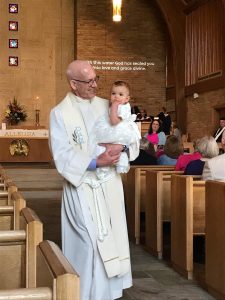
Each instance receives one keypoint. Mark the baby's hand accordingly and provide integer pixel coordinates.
(116, 102)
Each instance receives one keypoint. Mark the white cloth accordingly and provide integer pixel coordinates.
(214, 168)
(79, 233)
(125, 133)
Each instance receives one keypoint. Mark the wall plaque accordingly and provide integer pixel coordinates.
(19, 147)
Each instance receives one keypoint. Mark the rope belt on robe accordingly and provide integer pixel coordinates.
(112, 244)
(100, 218)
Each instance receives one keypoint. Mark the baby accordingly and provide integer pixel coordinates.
(118, 127)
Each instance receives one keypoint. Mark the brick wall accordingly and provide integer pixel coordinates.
(139, 37)
(202, 117)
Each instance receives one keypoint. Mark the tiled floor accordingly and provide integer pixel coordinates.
(154, 279)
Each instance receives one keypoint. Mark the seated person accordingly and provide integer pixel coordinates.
(146, 155)
(172, 149)
(175, 130)
(218, 134)
(208, 148)
(184, 159)
(214, 168)
(155, 134)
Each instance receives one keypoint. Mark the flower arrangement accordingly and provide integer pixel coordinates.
(15, 113)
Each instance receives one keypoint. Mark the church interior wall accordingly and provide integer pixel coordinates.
(45, 47)
(202, 117)
(49, 40)
(139, 38)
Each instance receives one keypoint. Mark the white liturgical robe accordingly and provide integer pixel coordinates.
(103, 265)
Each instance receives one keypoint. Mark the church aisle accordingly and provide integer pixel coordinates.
(155, 280)
(152, 279)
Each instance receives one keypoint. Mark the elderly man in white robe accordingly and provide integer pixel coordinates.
(94, 231)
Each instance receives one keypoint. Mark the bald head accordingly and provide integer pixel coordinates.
(78, 69)
(79, 73)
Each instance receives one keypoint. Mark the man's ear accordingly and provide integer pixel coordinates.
(73, 85)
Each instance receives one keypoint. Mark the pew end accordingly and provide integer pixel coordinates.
(135, 197)
(30, 222)
(10, 213)
(53, 267)
(158, 206)
(187, 220)
(18, 252)
(215, 238)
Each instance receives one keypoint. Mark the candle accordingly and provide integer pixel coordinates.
(37, 103)
(3, 126)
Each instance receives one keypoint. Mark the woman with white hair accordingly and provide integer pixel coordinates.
(208, 148)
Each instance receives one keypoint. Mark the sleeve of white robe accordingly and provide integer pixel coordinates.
(134, 151)
(207, 174)
(70, 163)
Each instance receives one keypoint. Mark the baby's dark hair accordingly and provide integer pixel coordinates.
(121, 83)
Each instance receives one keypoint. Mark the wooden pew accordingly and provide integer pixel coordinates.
(4, 178)
(56, 279)
(65, 278)
(10, 213)
(18, 252)
(187, 220)
(2, 172)
(42, 189)
(6, 192)
(158, 202)
(135, 195)
(215, 238)
(27, 294)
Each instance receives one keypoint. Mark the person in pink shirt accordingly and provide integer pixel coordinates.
(155, 134)
(184, 159)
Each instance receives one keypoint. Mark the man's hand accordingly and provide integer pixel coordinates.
(107, 159)
(113, 149)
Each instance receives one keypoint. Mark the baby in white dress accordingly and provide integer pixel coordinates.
(118, 127)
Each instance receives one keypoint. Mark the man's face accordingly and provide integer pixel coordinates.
(222, 123)
(85, 86)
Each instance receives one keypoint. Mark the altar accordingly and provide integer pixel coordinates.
(24, 145)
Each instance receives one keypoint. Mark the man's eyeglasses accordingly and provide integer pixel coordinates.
(89, 82)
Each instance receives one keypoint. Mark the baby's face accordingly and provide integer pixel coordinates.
(120, 94)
